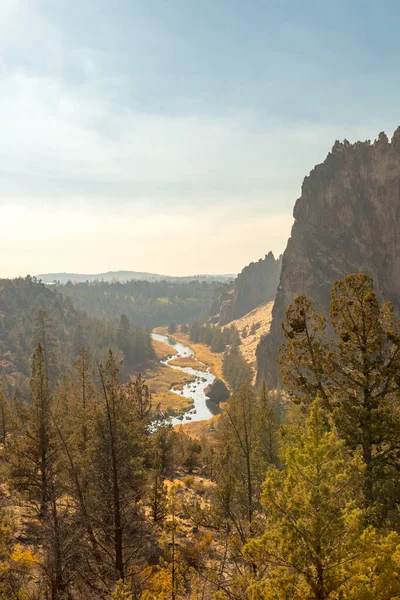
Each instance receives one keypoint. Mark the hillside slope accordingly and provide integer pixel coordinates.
(252, 327)
(66, 329)
(146, 303)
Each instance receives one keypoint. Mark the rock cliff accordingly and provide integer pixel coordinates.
(255, 285)
(347, 220)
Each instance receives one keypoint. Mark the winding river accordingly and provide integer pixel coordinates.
(202, 409)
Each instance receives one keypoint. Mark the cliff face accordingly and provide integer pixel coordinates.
(255, 285)
(347, 220)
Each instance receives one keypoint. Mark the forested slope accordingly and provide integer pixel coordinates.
(31, 313)
(150, 304)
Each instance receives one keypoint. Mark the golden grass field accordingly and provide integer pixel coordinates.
(162, 350)
(188, 361)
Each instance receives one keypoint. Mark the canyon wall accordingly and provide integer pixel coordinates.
(255, 285)
(347, 220)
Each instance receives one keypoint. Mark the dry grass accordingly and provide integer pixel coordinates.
(212, 359)
(162, 350)
(188, 361)
(160, 380)
(200, 429)
(162, 331)
(263, 316)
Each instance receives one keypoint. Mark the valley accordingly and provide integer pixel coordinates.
(179, 435)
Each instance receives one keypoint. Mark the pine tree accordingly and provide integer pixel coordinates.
(43, 334)
(31, 450)
(217, 344)
(125, 340)
(312, 527)
(303, 359)
(116, 480)
(162, 466)
(33, 455)
(357, 377)
(236, 369)
(365, 379)
(172, 328)
(267, 432)
(236, 494)
(4, 412)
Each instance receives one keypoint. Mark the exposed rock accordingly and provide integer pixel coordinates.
(347, 220)
(217, 392)
(255, 285)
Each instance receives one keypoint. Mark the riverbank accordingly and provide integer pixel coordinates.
(213, 360)
(179, 380)
(161, 378)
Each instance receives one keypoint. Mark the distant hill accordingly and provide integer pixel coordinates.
(124, 276)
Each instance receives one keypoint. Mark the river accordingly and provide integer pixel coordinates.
(202, 409)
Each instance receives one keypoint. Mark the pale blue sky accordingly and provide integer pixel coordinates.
(173, 135)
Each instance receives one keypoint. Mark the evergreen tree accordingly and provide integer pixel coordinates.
(43, 334)
(4, 412)
(236, 494)
(117, 477)
(33, 455)
(31, 452)
(236, 369)
(217, 344)
(125, 340)
(267, 433)
(172, 328)
(303, 359)
(356, 375)
(365, 381)
(195, 331)
(312, 527)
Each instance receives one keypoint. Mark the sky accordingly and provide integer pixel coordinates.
(173, 136)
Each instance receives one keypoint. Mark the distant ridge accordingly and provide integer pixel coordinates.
(124, 276)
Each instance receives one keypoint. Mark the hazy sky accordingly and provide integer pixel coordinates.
(173, 135)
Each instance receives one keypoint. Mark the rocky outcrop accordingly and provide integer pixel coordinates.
(255, 285)
(347, 220)
(217, 392)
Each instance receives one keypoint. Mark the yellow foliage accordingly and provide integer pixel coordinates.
(23, 557)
